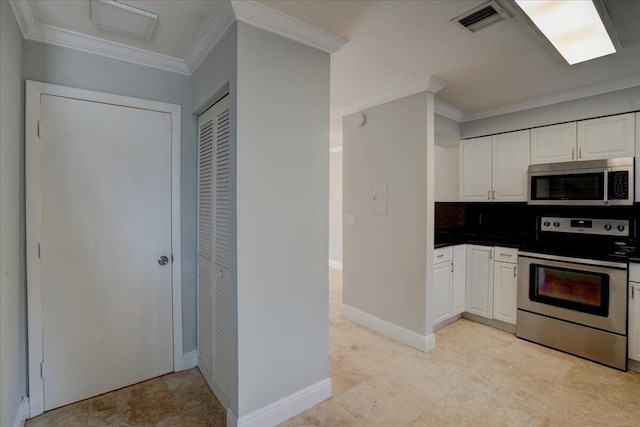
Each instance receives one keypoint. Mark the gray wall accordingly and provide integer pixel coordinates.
(52, 64)
(216, 75)
(385, 256)
(621, 101)
(283, 217)
(12, 259)
(335, 207)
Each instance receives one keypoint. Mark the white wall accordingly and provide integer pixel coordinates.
(12, 260)
(67, 67)
(385, 267)
(621, 101)
(335, 208)
(447, 167)
(283, 217)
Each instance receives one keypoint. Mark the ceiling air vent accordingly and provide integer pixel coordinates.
(481, 17)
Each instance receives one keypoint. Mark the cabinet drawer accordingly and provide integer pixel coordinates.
(506, 255)
(634, 272)
(443, 254)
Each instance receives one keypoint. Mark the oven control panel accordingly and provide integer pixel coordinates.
(606, 227)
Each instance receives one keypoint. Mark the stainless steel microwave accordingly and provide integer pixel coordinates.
(587, 183)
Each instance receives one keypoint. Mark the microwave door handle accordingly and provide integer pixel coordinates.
(606, 187)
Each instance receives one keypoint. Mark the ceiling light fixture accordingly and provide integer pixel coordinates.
(117, 17)
(574, 27)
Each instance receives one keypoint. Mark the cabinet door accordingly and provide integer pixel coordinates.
(442, 291)
(459, 277)
(551, 144)
(505, 288)
(606, 137)
(637, 162)
(479, 283)
(634, 321)
(475, 169)
(511, 153)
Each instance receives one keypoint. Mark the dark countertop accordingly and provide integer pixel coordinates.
(459, 237)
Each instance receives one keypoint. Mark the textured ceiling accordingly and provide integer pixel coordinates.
(179, 22)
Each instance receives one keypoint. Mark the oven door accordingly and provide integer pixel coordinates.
(588, 292)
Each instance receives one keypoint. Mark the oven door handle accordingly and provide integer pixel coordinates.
(606, 187)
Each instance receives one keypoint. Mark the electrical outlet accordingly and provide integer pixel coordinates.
(351, 220)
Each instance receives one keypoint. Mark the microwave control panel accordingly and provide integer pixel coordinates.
(606, 227)
(618, 188)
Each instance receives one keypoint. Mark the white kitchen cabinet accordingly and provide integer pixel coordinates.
(475, 169)
(511, 157)
(606, 137)
(505, 291)
(634, 321)
(449, 283)
(551, 144)
(479, 281)
(495, 168)
(637, 162)
(458, 279)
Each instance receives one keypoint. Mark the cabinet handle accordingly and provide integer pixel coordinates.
(489, 195)
(493, 195)
(514, 270)
(573, 154)
(580, 152)
(633, 293)
(491, 254)
(439, 256)
(452, 269)
(507, 255)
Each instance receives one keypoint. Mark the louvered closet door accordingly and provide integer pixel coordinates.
(214, 321)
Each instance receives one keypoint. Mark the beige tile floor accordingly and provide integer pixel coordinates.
(477, 376)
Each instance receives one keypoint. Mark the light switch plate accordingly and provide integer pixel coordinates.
(351, 220)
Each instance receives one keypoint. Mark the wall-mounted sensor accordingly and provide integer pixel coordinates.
(359, 120)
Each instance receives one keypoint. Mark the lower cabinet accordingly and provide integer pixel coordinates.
(492, 282)
(448, 278)
(634, 321)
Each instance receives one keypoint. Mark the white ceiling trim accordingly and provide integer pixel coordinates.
(555, 98)
(221, 20)
(431, 84)
(448, 112)
(287, 26)
(33, 30)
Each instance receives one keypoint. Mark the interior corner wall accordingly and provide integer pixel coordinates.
(216, 72)
(335, 207)
(385, 252)
(283, 217)
(57, 65)
(13, 371)
(617, 102)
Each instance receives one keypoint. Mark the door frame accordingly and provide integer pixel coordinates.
(34, 90)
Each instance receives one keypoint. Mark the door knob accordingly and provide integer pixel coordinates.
(163, 260)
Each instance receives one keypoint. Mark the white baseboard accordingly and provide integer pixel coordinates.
(22, 414)
(190, 359)
(414, 339)
(286, 407)
(335, 264)
(232, 420)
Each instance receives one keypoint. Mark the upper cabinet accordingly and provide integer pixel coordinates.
(594, 139)
(607, 137)
(551, 144)
(495, 168)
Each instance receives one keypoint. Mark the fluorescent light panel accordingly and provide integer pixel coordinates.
(121, 18)
(573, 27)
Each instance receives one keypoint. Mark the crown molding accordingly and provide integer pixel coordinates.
(286, 26)
(448, 112)
(556, 98)
(430, 84)
(221, 20)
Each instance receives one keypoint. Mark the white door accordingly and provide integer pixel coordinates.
(479, 290)
(475, 169)
(505, 288)
(442, 291)
(511, 153)
(607, 137)
(459, 276)
(105, 222)
(551, 144)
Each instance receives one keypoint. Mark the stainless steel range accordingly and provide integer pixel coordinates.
(572, 290)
